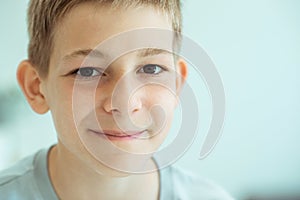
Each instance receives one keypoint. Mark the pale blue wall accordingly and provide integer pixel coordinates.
(255, 45)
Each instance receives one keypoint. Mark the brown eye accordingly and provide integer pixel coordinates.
(151, 69)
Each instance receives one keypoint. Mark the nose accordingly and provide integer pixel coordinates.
(124, 97)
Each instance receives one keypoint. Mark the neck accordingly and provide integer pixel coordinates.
(73, 179)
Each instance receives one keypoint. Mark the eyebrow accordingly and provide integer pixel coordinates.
(96, 53)
(84, 53)
(151, 52)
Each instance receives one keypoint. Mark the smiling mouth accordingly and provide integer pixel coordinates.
(120, 135)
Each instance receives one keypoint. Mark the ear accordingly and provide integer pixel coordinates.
(30, 83)
(182, 73)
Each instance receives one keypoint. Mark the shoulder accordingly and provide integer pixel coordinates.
(17, 180)
(187, 185)
(17, 171)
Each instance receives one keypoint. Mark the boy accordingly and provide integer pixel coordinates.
(111, 109)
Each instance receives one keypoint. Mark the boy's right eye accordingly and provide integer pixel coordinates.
(87, 72)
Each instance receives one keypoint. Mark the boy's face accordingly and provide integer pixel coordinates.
(129, 109)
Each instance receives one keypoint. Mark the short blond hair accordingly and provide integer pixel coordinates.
(44, 15)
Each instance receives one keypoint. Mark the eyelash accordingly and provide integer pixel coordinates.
(162, 69)
(94, 70)
(100, 73)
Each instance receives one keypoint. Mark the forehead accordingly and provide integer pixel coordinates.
(86, 26)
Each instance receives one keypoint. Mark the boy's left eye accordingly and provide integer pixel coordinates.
(151, 69)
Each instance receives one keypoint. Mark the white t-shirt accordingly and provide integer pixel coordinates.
(29, 180)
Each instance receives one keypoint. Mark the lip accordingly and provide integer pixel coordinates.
(118, 135)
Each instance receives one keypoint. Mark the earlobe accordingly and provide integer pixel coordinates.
(182, 73)
(30, 83)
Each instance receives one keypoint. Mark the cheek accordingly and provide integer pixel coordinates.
(61, 108)
(162, 96)
(83, 103)
(161, 104)
(68, 106)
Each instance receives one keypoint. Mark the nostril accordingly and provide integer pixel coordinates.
(135, 105)
(109, 108)
(114, 110)
(134, 110)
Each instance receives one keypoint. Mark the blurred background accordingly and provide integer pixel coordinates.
(256, 48)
